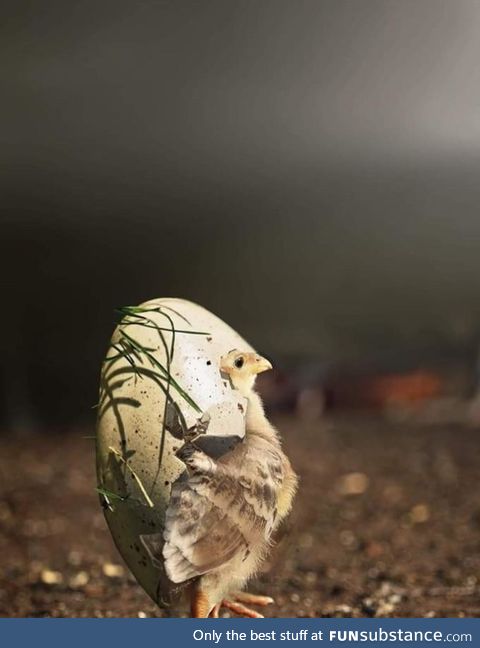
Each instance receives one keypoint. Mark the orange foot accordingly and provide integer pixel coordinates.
(236, 604)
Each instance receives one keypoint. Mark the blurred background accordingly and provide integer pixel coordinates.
(309, 171)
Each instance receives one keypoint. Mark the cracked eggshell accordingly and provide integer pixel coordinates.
(136, 462)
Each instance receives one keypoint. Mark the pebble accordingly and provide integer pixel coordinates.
(419, 513)
(112, 571)
(343, 609)
(50, 577)
(384, 609)
(79, 580)
(355, 483)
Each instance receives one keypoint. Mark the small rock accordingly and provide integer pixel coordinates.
(142, 615)
(112, 571)
(419, 514)
(384, 609)
(50, 577)
(344, 609)
(79, 580)
(355, 483)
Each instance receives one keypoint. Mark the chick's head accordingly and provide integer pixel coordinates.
(242, 368)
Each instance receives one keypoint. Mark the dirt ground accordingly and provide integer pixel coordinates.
(386, 523)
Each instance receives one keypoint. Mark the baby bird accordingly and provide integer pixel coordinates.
(220, 519)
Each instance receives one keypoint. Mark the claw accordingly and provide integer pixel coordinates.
(236, 604)
(253, 599)
(241, 610)
(214, 613)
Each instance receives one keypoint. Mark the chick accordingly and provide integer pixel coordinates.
(220, 519)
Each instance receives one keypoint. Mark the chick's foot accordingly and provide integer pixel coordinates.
(236, 604)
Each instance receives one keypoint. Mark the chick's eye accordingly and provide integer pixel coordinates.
(239, 363)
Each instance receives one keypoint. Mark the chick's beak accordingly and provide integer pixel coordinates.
(260, 364)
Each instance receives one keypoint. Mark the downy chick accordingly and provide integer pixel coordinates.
(220, 519)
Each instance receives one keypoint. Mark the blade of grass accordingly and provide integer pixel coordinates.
(176, 313)
(134, 475)
(172, 344)
(126, 312)
(107, 493)
(166, 374)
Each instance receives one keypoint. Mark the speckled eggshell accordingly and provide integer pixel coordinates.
(136, 462)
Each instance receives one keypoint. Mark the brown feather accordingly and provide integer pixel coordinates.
(225, 507)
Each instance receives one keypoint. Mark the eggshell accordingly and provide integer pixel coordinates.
(156, 385)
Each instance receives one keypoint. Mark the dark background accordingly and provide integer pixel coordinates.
(309, 171)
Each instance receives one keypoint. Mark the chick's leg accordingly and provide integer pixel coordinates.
(199, 604)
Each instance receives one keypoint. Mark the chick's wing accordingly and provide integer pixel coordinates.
(222, 510)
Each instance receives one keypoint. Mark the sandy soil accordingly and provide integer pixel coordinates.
(398, 537)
